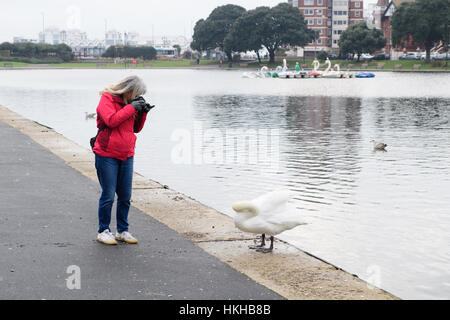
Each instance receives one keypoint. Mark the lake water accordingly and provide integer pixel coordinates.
(384, 216)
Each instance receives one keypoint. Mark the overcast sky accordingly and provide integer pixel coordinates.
(167, 17)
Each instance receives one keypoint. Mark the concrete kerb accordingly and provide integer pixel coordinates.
(288, 271)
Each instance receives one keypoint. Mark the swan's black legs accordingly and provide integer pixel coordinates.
(262, 245)
(261, 248)
(263, 240)
(270, 249)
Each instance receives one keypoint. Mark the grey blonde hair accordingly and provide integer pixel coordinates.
(132, 84)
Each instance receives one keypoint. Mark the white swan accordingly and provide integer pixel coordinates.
(269, 214)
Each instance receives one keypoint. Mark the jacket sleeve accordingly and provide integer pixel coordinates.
(110, 116)
(140, 121)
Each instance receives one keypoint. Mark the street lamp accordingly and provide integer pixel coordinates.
(447, 36)
(43, 27)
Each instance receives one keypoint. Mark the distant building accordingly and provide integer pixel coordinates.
(164, 45)
(318, 17)
(88, 49)
(116, 38)
(56, 36)
(113, 38)
(168, 52)
(356, 13)
(73, 36)
(50, 36)
(168, 41)
(81, 46)
(130, 39)
(84, 48)
(387, 29)
(330, 18)
(23, 40)
(378, 12)
(368, 14)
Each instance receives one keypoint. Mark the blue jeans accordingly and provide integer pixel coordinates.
(115, 176)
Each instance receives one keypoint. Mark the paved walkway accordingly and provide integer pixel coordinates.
(48, 222)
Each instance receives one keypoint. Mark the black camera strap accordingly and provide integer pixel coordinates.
(92, 142)
(101, 129)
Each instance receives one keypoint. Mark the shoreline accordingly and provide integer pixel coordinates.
(207, 67)
(288, 271)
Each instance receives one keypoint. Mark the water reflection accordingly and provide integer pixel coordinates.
(320, 151)
(318, 141)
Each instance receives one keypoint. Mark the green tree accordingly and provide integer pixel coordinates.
(245, 34)
(270, 28)
(111, 52)
(425, 22)
(201, 39)
(287, 26)
(211, 33)
(39, 50)
(64, 52)
(144, 52)
(359, 39)
(322, 55)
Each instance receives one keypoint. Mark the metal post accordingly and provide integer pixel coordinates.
(446, 46)
(304, 58)
(43, 27)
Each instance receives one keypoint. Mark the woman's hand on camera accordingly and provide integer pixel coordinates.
(138, 104)
(148, 107)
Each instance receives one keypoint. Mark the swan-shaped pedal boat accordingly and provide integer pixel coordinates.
(315, 73)
(332, 73)
(269, 214)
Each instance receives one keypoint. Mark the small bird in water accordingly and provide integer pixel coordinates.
(269, 214)
(90, 115)
(378, 146)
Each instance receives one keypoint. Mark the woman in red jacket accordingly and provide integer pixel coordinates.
(120, 114)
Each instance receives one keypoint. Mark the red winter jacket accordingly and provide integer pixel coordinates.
(123, 121)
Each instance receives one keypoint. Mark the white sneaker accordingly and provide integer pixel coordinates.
(126, 237)
(106, 237)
